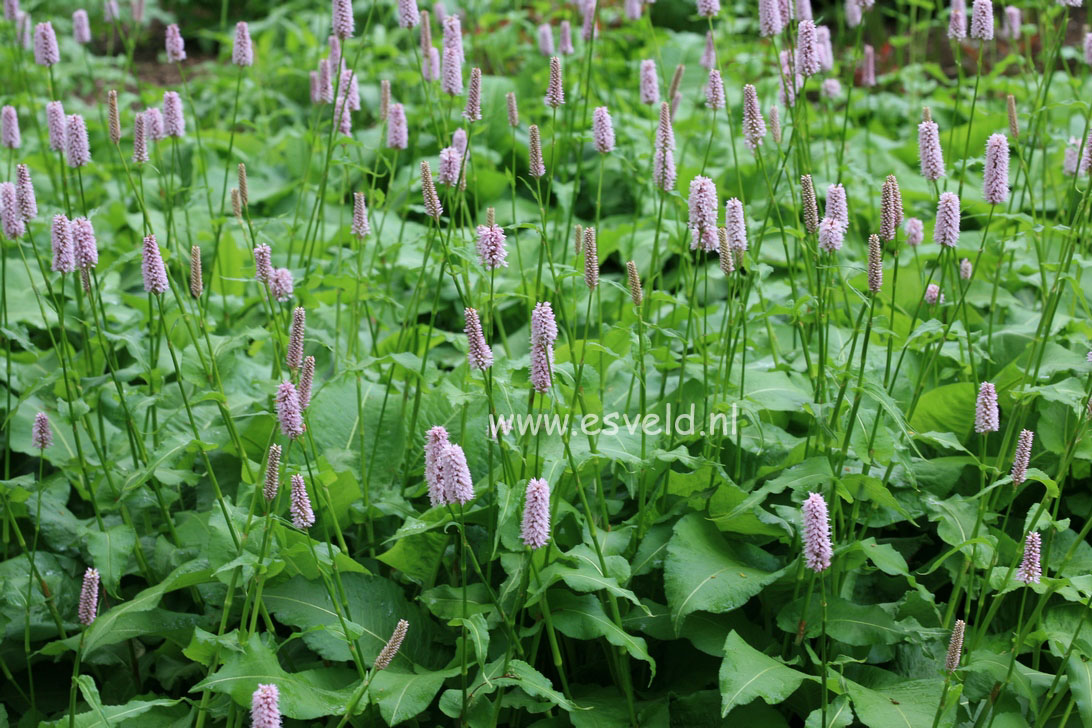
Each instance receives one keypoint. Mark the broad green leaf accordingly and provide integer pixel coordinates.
(401, 695)
(908, 704)
(1079, 670)
(582, 617)
(746, 674)
(304, 695)
(110, 552)
(703, 571)
(105, 716)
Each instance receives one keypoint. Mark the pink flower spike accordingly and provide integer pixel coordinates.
(294, 353)
(303, 517)
(77, 149)
(473, 111)
(9, 128)
(491, 248)
(289, 412)
(307, 378)
(650, 83)
(708, 8)
(64, 254)
(24, 193)
(479, 355)
(946, 229)
(769, 18)
(709, 55)
(735, 226)
(435, 442)
(831, 235)
(55, 120)
(84, 243)
(81, 27)
(242, 53)
(152, 268)
(603, 130)
(10, 220)
(929, 152)
(535, 527)
(46, 51)
(264, 711)
(703, 214)
(714, 91)
(816, 533)
(458, 487)
(1030, 569)
(915, 231)
(555, 90)
(88, 606)
(995, 180)
(281, 284)
(397, 130)
(807, 52)
(41, 435)
(957, 20)
(175, 45)
(754, 126)
(565, 39)
(836, 206)
(986, 416)
(982, 20)
(174, 121)
(408, 14)
(342, 19)
(545, 40)
(933, 294)
(1022, 457)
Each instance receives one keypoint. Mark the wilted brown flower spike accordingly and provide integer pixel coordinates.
(1014, 124)
(114, 120)
(724, 251)
(811, 206)
(196, 284)
(634, 281)
(243, 196)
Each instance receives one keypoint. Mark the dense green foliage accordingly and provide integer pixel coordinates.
(673, 589)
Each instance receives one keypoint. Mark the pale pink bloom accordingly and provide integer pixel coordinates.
(735, 225)
(535, 527)
(264, 710)
(1072, 154)
(946, 229)
(9, 128)
(769, 17)
(708, 8)
(281, 284)
(88, 606)
(933, 294)
(565, 39)
(986, 416)
(555, 90)
(77, 149)
(397, 130)
(408, 14)
(535, 164)
(174, 121)
(650, 83)
(55, 120)
(303, 517)
(1022, 457)
(11, 221)
(478, 354)
(831, 88)
(831, 235)
(545, 40)
(929, 152)
(602, 130)
(754, 126)
(826, 50)
(703, 214)
(915, 231)
(64, 253)
(84, 243)
(307, 378)
(289, 412)
(242, 53)
(175, 45)
(152, 268)
(807, 51)
(714, 91)
(46, 51)
(1030, 569)
(458, 486)
(957, 20)
(709, 55)
(815, 533)
(837, 207)
(868, 67)
(342, 19)
(982, 20)
(995, 181)
(81, 27)
(41, 434)
(24, 193)
(473, 110)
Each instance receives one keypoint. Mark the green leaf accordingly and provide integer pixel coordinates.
(401, 696)
(582, 617)
(705, 572)
(1079, 671)
(746, 674)
(907, 704)
(477, 634)
(303, 695)
(110, 551)
(104, 716)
